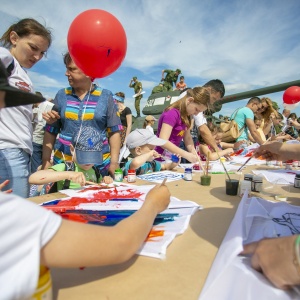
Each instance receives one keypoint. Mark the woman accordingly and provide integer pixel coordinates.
(268, 115)
(125, 116)
(175, 121)
(82, 103)
(24, 44)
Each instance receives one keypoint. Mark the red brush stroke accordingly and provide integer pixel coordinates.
(154, 233)
(101, 196)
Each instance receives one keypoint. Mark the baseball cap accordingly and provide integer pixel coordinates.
(88, 146)
(14, 96)
(134, 77)
(150, 118)
(140, 137)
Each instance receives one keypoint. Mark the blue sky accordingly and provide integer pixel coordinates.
(247, 44)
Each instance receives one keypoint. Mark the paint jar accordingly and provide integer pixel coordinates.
(188, 174)
(245, 185)
(119, 175)
(168, 156)
(297, 181)
(256, 184)
(232, 184)
(248, 177)
(131, 176)
(205, 180)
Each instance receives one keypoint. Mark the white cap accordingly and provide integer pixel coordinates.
(140, 137)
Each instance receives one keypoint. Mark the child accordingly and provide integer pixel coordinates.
(257, 121)
(148, 123)
(205, 149)
(86, 149)
(141, 144)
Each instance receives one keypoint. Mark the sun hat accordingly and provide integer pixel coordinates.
(150, 118)
(14, 96)
(88, 145)
(140, 137)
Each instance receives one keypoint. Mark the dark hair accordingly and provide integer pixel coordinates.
(181, 77)
(24, 28)
(67, 58)
(254, 100)
(120, 94)
(217, 85)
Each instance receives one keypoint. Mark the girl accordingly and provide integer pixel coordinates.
(125, 116)
(24, 44)
(206, 149)
(149, 122)
(175, 121)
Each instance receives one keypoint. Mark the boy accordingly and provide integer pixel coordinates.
(141, 144)
(86, 149)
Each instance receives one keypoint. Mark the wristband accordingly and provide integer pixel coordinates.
(297, 254)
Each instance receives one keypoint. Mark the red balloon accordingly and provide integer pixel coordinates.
(97, 42)
(291, 95)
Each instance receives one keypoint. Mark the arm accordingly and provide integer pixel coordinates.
(214, 155)
(165, 134)
(162, 74)
(279, 151)
(274, 258)
(77, 244)
(268, 125)
(188, 141)
(114, 143)
(130, 83)
(138, 161)
(255, 134)
(129, 124)
(49, 140)
(47, 176)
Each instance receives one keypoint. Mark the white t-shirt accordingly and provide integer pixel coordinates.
(15, 122)
(150, 128)
(200, 119)
(39, 122)
(24, 229)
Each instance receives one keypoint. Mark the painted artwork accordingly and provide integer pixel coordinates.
(158, 177)
(108, 205)
(254, 220)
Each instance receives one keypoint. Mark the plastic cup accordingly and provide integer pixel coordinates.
(205, 180)
(232, 187)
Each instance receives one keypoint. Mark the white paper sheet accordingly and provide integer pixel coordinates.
(278, 176)
(231, 276)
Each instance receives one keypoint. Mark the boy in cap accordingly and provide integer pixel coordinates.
(86, 149)
(141, 144)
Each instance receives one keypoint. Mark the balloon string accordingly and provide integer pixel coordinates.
(86, 103)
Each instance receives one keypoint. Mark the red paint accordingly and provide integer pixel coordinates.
(101, 196)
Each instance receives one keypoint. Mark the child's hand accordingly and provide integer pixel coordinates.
(159, 196)
(152, 154)
(107, 180)
(76, 177)
(175, 164)
(3, 184)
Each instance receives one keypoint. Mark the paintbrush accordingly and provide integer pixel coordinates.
(207, 163)
(199, 160)
(223, 165)
(244, 164)
(164, 181)
(91, 182)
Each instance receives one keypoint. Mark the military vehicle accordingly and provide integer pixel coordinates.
(156, 103)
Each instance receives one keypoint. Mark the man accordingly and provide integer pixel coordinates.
(158, 89)
(244, 117)
(170, 78)
(137, 86)
(285, 114)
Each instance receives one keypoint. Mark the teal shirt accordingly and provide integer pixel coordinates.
(240, 118)
(88, 174)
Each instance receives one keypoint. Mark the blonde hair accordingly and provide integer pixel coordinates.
(267, 112)
(200, 96)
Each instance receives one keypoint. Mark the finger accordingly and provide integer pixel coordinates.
(249, 248)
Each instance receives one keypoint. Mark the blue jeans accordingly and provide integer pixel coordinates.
(15, 166)
(36, 158)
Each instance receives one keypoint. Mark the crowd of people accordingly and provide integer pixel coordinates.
(78, 137)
